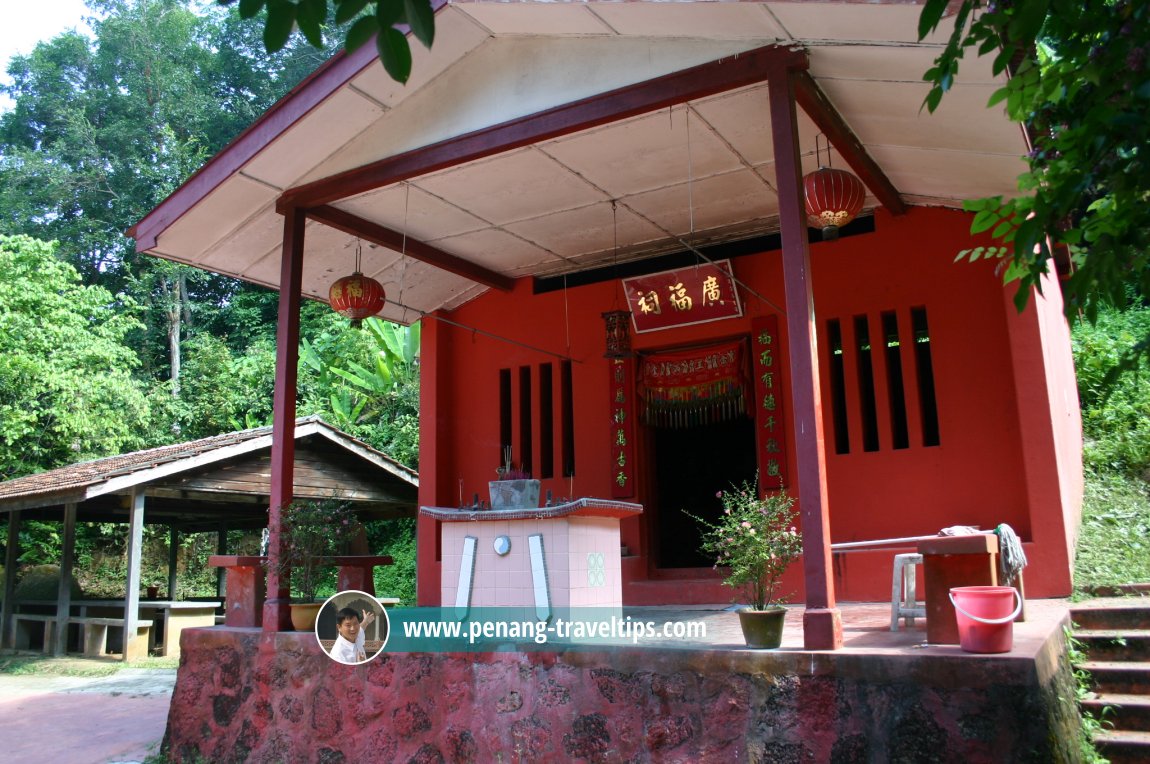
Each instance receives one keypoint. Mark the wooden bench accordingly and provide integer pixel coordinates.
(96, 636)
(21, 637)
(95, 633)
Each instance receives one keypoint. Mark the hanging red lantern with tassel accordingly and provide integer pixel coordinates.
(357, 296)
(833, 197)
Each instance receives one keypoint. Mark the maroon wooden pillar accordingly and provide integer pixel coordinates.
(822, 622)
(277, 614)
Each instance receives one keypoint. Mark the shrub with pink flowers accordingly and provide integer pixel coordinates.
(309, 532)
(754, 541)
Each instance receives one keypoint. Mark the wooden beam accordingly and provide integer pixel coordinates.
(394, 240)
(818, 107)
(822, 622)
(277, 613)
(707, 79)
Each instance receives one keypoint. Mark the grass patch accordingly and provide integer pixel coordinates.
(39, 665)
(29, 665)
(1114, 543)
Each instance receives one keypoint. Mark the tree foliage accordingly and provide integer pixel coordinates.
(67, 392)
(1080, 83)
(385, 20)
(92, 336)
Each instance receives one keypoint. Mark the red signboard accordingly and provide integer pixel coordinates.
(692, 295)
(766, 355)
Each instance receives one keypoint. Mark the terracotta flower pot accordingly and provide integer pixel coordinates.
(303, 615)
(763, 628)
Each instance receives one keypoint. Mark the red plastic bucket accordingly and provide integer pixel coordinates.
(985, 617)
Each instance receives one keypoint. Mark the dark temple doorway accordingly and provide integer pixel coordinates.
(691, 465)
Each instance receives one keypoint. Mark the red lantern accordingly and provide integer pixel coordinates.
(834, 198)
(357, 297)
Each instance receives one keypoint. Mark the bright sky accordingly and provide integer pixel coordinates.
(23, 23)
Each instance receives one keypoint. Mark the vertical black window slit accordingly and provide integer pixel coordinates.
(896, 392)
(504, 413)
(526, 441)
(568, 423)
(865, 361)
(546, 421)
(926, 394)
(838, 387)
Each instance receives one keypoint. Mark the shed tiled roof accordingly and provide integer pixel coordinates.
(76, 478)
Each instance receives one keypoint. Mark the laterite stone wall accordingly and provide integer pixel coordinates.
(245, 696)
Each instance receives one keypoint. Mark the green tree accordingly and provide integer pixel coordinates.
(365, 382)
(66, 388)
(103, 129)
(1080, 83)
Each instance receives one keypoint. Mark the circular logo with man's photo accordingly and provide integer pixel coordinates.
(352, 627)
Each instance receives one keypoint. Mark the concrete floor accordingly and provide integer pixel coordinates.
(866, 628)
(85, 720)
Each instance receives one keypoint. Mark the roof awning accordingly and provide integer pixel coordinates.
(449, 216)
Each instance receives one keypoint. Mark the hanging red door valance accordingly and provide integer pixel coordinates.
(682, 388)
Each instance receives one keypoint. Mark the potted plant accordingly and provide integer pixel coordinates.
(754, 541)
(310, 532)
(514, 489)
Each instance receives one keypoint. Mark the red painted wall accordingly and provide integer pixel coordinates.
(996, 463)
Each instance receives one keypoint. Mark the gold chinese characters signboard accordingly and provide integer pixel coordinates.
(692, 295)
(770, 440)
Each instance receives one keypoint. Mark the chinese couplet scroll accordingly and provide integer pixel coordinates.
(766, 360)
(622, 408)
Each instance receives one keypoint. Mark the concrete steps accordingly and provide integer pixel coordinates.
(1116, 640)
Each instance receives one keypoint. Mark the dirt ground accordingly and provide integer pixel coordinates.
(83, 719)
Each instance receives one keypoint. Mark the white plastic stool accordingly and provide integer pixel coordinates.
(902, 595)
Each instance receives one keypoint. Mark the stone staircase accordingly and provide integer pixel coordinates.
(1116, 640)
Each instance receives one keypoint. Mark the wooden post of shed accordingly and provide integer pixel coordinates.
(132, 595)
(11, 555)
(64, 593)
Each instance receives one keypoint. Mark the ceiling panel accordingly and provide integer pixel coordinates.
(309, 142)
(549, 19)
(888, 113)
(709, 203)
(456, 34)
(589, 229)
(230, 205)
(513, 186)
(894, 23)
(251, 241)
(891, 63)
(711, 20)
(645, 153)
(951, 175)
(495, 249)
(421, 215)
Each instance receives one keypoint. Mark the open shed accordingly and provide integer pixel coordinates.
(213, 484)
